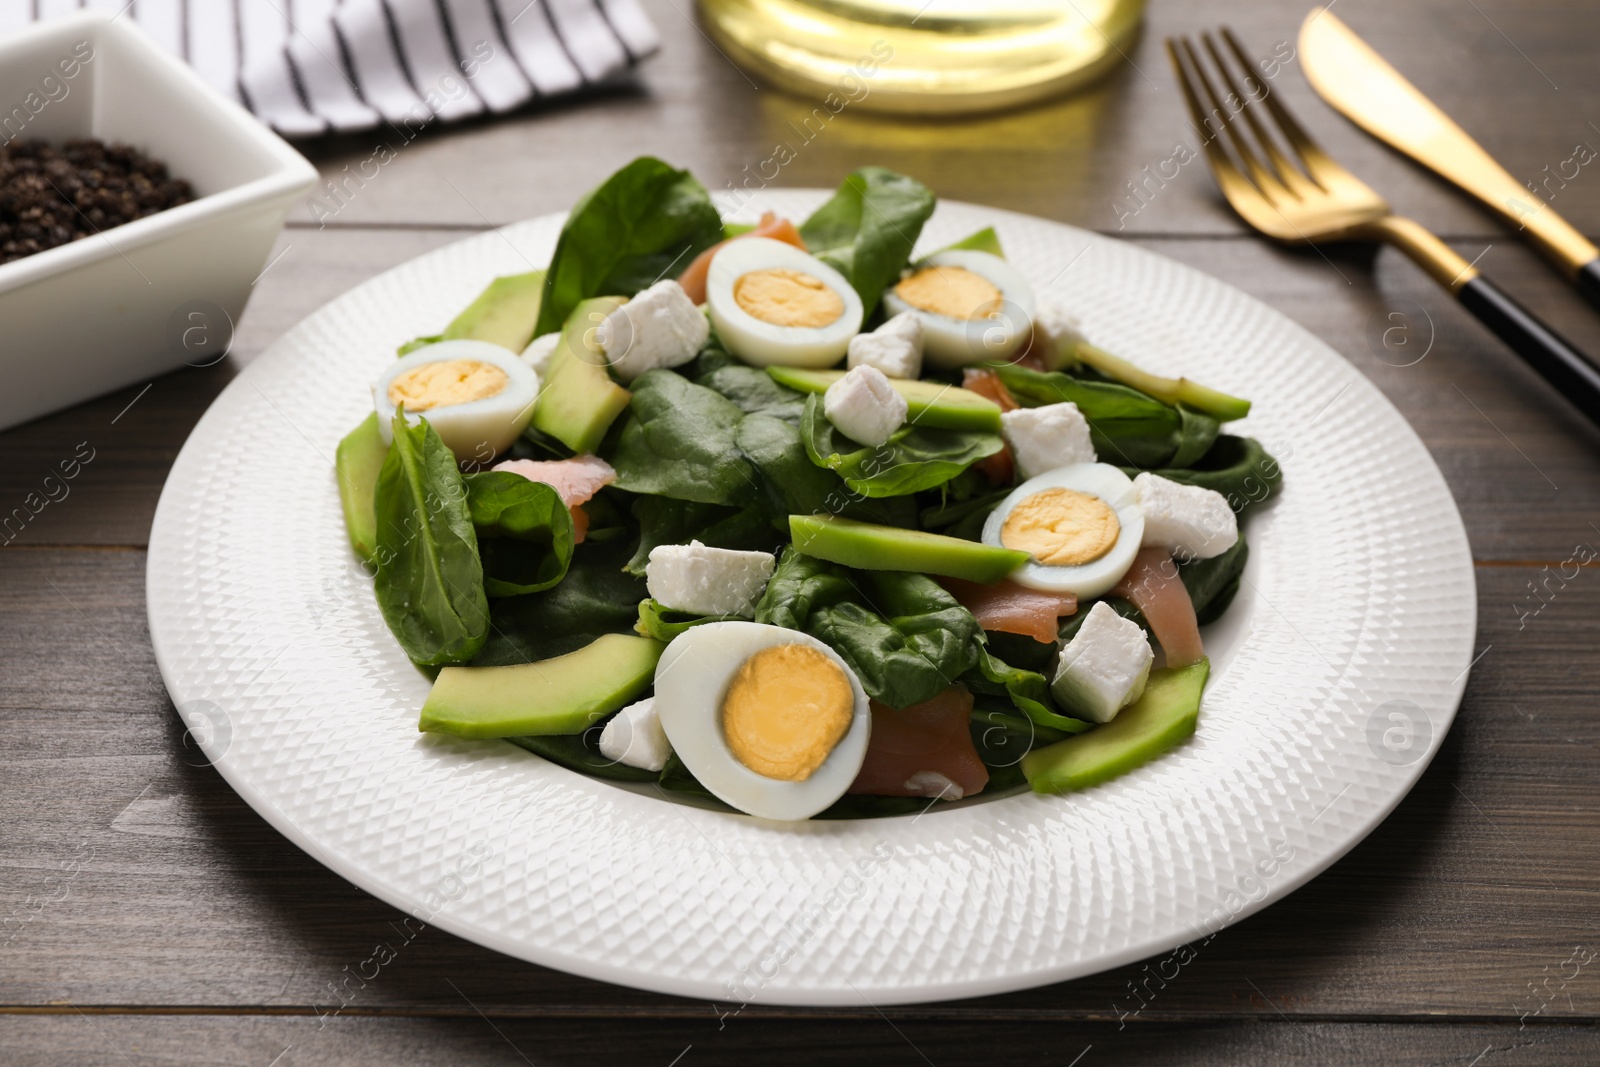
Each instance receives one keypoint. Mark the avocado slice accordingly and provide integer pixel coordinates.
(564, 695)
(503, 314)
(889, 548)
(1217, 404)
(1156, 722)
(932, 404)
(357, 462)
(578, 401)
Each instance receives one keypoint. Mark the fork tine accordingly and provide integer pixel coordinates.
(1298, 184)
(1269, 186)
(1234, 184)
(1322, 167)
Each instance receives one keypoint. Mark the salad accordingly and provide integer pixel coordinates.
(793, 519)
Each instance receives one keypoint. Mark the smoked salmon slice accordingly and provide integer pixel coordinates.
(925, 750)
(693, 280)
(999, 468)
(1011, 608)
(1153, 586)
(576, 479)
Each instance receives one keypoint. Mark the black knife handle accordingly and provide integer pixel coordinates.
(1546, 351)
(1589, 281)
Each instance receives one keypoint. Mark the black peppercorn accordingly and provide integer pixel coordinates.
(53, 195)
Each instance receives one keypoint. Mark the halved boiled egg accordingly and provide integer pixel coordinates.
(973, 306)
(771, 721)
(477, 395)
(775, 305)
(1081, 523)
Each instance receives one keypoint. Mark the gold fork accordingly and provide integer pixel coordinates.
(1318, 200)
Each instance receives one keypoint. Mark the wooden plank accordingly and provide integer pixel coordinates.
(1520, 463)
(1071, 160)
(133, 878)
(125, 1040)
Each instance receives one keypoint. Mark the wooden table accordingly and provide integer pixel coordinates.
(147, 914)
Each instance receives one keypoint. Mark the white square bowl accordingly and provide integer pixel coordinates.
(144, 298)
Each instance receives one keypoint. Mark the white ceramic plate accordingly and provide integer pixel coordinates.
(1335, 676)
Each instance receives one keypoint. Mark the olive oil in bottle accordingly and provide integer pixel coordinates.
(936, 57)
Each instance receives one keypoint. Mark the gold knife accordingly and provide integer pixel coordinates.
(1360, 84)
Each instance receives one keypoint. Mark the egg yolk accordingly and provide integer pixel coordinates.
(788, 298)
(449, 381)
(787, 707)
(1061, 527)
(954, 292)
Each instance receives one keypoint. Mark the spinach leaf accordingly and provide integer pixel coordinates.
(581, 753)
(754, 390)
(665, 521)
(1001, 747)
(1213, 582)
(985, 240)
(903, 635)
(676, 778)
(691, 443)
(524, 532)
(596, 597)
(867, 230)
(1127, 426)
(678, 440)
(1022, 650)
(429, 580)
(800, 585)
(797, 486)
(964, 519)
(1197, 432)
(1237, 467)
(794, 485)
(664, 623)
(1029, 692)
(1002, 738)
(901, 661)
(912, 460)
(640, 224)
(865, 806)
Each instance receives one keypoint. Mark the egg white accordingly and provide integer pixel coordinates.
(950, 342)
(1085, 579)
(691, 681)
(763, 343)
(479, 429)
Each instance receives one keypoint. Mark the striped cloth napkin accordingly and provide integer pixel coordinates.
(312, 66)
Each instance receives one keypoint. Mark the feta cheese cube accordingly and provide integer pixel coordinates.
(537, 354)
(905, 325)
(864, 406)
(708, 581)
(1048, 437)
(634, 737)
(1056, 332)
(890, 353)
(1189, 521)
(1104, 667)
(894, 348)
(660, 327)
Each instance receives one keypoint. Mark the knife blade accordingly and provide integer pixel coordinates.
(1361, 85)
